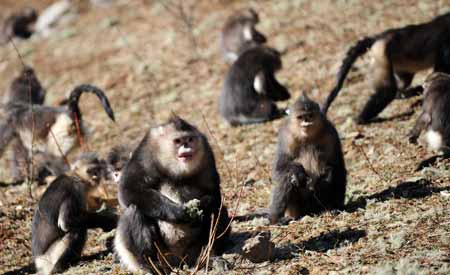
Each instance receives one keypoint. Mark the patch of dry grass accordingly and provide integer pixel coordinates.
(138, 53)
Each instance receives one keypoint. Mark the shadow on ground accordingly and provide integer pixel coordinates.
(408, 190)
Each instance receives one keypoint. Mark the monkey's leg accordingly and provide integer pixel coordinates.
(223, 231)
(385, 90)
(105, 220)
(280, 197)
(135, 241)
(442, 62)
(421, 123)
(74, 245)
(19, 163)
(404, 89)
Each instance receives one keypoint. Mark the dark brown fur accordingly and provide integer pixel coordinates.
(398, 54)
(435, 116)
(155, 188)
(65, 212)
(309, 167)
(18, 25)
(239, 34)
(250, 88)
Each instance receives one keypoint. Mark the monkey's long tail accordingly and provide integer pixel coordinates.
(357, 50)
(75, 97)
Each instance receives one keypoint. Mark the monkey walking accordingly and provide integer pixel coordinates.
(27, 89)
(250, 88)
(309, 167)
(64, 213)
(169, 189)
(397, 54)
(55, 129)
(239, 34)
(435, 117)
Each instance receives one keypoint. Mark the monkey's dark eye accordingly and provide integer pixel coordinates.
(190, 139)
(177, 141)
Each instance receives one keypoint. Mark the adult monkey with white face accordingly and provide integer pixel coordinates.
(170, 189)
(239, 34)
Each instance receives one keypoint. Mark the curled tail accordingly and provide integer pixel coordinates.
(360, 48)
(75, 97)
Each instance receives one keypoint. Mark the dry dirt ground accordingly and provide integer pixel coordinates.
(397, 221)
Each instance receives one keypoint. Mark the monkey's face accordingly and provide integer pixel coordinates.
(180, 153)
(115, 171)
(307, 123)
(91, 171)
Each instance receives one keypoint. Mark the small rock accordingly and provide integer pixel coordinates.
(259, 248)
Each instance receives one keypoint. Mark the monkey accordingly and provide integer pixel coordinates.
(53, 129)
(18, 25)
(397, 55)
(309, 166)
(170, 188)
(65, 212)
(239, 34)
(27, 89)
(434, 119)
(250, 88)
(24, 85)
(116, 161)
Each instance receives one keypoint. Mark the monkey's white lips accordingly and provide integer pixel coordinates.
(305, 123)
(185, 156)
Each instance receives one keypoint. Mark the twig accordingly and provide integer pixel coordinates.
(361, 150)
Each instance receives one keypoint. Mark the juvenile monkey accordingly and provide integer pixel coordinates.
(18, 24)
(309, 167)
(397, 54)
(435, 116)
(25, 88)
(55, 128)
(239, 34)
(116, 161)
(65, 212)
(251, 89)
(170, 188)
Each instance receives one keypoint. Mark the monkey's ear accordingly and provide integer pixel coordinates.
(259, 83)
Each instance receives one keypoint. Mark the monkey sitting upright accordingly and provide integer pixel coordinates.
(251, 89)
(435, 116)
(18, 24)
(239, 34)
(65, 212)
(170, 188)
(309, 167)
(48, 130)
(397, 54)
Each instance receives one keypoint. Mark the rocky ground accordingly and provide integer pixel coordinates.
(151, 64)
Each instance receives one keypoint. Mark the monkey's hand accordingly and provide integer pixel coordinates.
(296, 175)
(193, 211)
(412, 138)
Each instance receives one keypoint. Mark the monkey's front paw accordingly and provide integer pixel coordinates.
(193, 211)
(412, 139)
